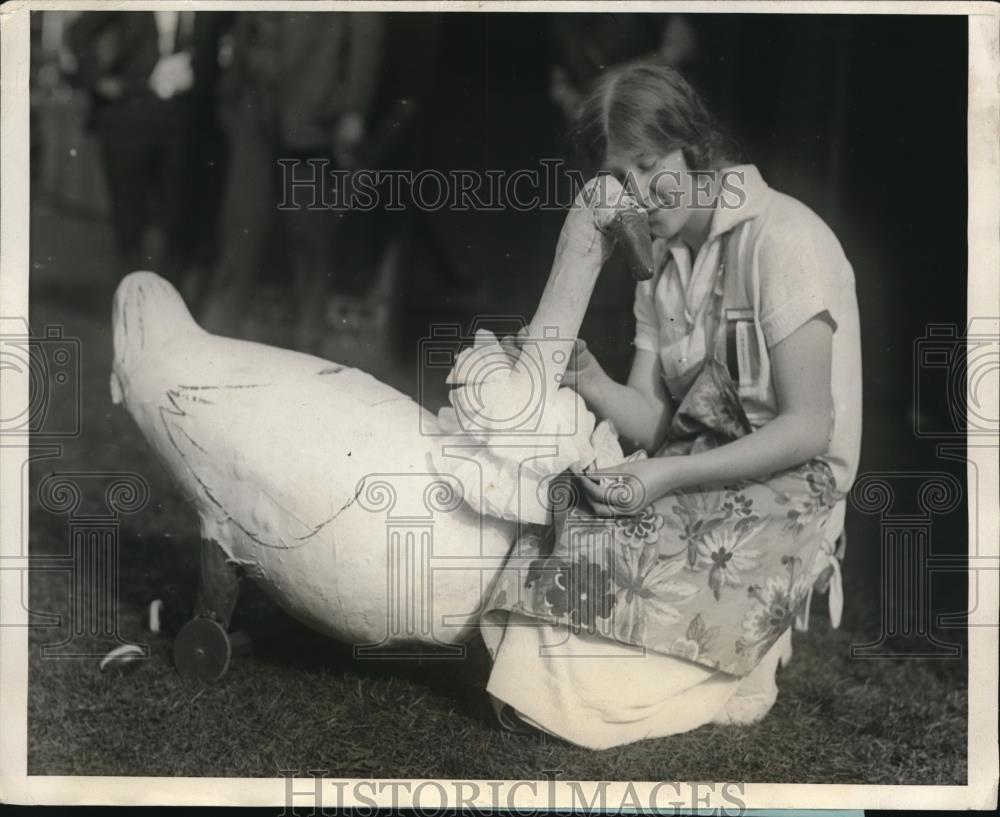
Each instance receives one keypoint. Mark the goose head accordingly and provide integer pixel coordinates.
(147, 311)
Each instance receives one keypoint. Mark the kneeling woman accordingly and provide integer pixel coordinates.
(664, 598)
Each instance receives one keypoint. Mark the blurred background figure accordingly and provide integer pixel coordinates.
(376, 248)
(301, 87)
(586, 45)
(152, 79)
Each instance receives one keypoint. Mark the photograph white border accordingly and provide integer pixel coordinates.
(984, 577)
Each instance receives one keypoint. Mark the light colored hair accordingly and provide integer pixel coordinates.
(648, 107)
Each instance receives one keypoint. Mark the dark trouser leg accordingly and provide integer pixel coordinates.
(206, 157)
(311, 232)
(127, 154)
(248, 208)
(202, 649)
(219, 587)
(178, 183)
(310, 235)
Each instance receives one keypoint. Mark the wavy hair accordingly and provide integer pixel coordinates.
(648, 107)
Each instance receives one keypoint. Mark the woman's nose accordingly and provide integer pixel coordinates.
(642, 191)
(663, 192)
(637, 184)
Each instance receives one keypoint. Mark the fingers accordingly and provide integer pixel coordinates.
(517, 339)
(590, 487)
(509, 344)
(600, 509)
(619, 491)
(579, 357)
(594, 503)
(598, 191)
(597, 495)
(579, 348)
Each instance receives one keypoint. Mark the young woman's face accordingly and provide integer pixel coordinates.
(661, 183)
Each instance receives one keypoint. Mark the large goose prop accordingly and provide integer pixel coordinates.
(359, 512)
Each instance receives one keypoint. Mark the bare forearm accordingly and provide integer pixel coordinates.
(801, 431)
(787, 441)
(635, 416)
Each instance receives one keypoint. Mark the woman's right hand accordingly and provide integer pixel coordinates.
(583, 372)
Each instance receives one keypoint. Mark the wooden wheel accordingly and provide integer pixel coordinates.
(202, 650)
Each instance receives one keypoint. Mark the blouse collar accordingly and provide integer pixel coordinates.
(743, 196)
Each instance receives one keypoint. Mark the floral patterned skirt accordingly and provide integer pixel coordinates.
(712, 575)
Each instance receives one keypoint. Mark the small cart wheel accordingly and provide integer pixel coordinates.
(202, 650)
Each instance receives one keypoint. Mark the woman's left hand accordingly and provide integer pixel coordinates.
(585, 233)
(627, 488)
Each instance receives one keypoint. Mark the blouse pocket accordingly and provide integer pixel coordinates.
(743, 352)
(681, 361)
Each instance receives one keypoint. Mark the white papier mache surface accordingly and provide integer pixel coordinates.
(506, 434)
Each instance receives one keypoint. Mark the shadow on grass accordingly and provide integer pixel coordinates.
(164, 567)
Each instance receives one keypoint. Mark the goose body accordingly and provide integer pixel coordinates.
(316, 479)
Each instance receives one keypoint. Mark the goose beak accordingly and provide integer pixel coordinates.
(631, 229)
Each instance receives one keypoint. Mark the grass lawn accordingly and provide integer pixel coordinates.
(302, 702)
